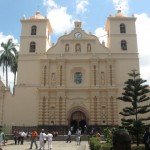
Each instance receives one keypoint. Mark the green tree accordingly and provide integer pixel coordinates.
(7, 56)
(14, 68)
(135, 93)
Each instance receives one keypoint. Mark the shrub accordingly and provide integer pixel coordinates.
(108, 134)
(140, 147)
(94, 144)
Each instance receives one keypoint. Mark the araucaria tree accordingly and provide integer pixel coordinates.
(135, 94)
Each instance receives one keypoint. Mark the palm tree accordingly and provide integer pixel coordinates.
(14, 68)
(7, 56)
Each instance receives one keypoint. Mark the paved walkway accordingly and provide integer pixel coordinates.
(57, 145)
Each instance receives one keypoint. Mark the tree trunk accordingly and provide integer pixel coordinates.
(6, 76)
(14, 83)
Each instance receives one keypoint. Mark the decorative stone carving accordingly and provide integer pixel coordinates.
(53, 79)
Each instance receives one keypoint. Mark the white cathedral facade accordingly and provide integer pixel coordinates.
(74, 82)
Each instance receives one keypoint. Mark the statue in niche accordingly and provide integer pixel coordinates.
(67, 48)
(53, 79)
(102, 78)
(89, 48)
(78, 48)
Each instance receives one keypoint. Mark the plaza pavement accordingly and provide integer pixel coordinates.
(57, 145)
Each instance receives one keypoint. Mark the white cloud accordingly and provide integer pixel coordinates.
(101, 34)
(123, 4)
(60, 20)
(50, 3)
(143, 32)
(4, 38)
(81, 6)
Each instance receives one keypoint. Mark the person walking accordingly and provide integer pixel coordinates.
(34, 136)
(146, 138)
(42, 139)
(16, 134)
(1, 138)
(19, 137)
(78, 138)
(49, 139)
(85, 130)
(69, 136)
(22, 136)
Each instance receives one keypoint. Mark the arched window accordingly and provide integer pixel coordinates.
(45, 70)
(102, 77)
(88, 47)
(110, 67)
(60, 109)
(67, 48)
(61, 73)
(78, 48)
(122, 28)
(123, 45)
(94, 75)
(33, 30)
(32, 46)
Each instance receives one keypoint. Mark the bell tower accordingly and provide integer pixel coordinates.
(121, 33)
(35, 34)
(34, 42)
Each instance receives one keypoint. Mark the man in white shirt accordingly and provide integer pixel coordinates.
(78, 134)
(69, 136)
(50, 138)
(42, 138)
(22, 135)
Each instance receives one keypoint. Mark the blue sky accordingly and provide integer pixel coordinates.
(92, 13)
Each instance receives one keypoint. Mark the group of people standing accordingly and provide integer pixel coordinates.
(42, 137)
(78, 136)
(19, 137)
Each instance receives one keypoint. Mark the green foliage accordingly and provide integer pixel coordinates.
(137, 127)
(140, 147)
(135, 94)
(7, 56)
(106, 146)
(108, 134)
(3, 130)
(94, 144)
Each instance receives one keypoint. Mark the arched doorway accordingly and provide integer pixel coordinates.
(78, 119)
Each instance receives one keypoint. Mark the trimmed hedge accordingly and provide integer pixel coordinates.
(140, 147)
(95, 144)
